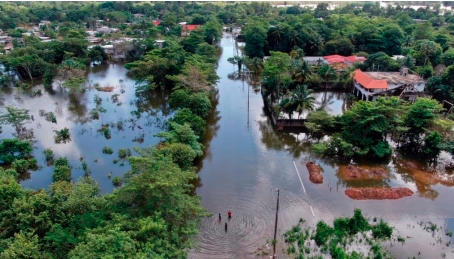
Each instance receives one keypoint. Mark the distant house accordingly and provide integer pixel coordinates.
(91, 33)
(314, 60)
(93, 40)
(369, 85)
(156, 23)
(159, 43)
(337, 62)
(187, 29)
(43, 23)
(105, 29)
(341, 62)
(138, 15)
(8, 47)
(119, 48)
(396, 57)
(5, 40)
(108, 49)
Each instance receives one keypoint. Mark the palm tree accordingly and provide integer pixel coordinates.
(327, 73)
(428, 48)
(297, 53)
(276, 34)
(294, 39)
(301, 71)
(255, 65)
(346, 77)
(237, 60)
(408, 41)
(302, 100)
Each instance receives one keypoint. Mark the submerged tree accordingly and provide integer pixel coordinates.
(237, 60)
(15, 117)
(75, 85)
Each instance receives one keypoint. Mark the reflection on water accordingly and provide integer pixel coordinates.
(248, 158)
(132, 121)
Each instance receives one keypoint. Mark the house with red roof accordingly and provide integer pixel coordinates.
(187, 28)
(369, 85)
(337, 62)
(340, 62)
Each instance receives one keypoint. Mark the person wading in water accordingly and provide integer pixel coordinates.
(230, 214)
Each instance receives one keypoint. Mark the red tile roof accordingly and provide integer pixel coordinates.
(368, 82)
(334, 60)
(190, 27)
(156, 23)
(333, 56)
(341, 59)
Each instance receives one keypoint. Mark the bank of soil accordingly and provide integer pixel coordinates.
(359, 173)
(378, 193)
(424, 179)
(315, 175)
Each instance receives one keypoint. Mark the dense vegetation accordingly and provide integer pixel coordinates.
(366, 128)
(154, 214)
(334, 239)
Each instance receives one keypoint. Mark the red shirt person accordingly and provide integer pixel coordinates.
(229, 213)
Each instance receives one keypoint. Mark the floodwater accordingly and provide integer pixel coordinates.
(87, 141)
(248, 159)
(245, 161)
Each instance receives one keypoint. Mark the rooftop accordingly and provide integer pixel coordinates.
(190, 27)
(380, 80)
(368, 82)
(395, 77)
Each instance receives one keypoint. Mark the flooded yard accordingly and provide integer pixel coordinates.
(131, 122)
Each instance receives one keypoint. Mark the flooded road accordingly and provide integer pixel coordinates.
(245, 161)
(248, 159)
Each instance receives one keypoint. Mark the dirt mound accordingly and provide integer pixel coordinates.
(105, 88)
(378, 193)
(351, 172)
(409, 165)
(315, 175)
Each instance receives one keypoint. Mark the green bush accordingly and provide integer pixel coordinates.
(117, 181)
(198, 125)
(181, 154)
(61, 173)
(124, 153)
(61, 161)
(12, 149)
(322, 233)
(107, 150)
(48, 155)
(382, 230)
(20, 165)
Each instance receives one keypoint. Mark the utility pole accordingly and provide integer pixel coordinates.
(275, 225)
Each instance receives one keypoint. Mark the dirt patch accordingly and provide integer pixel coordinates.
(105, 88)
(409, 165)
(352, 173)
(315, 175)
(378, 193)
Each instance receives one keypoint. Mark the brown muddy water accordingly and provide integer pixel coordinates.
(245, 161)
